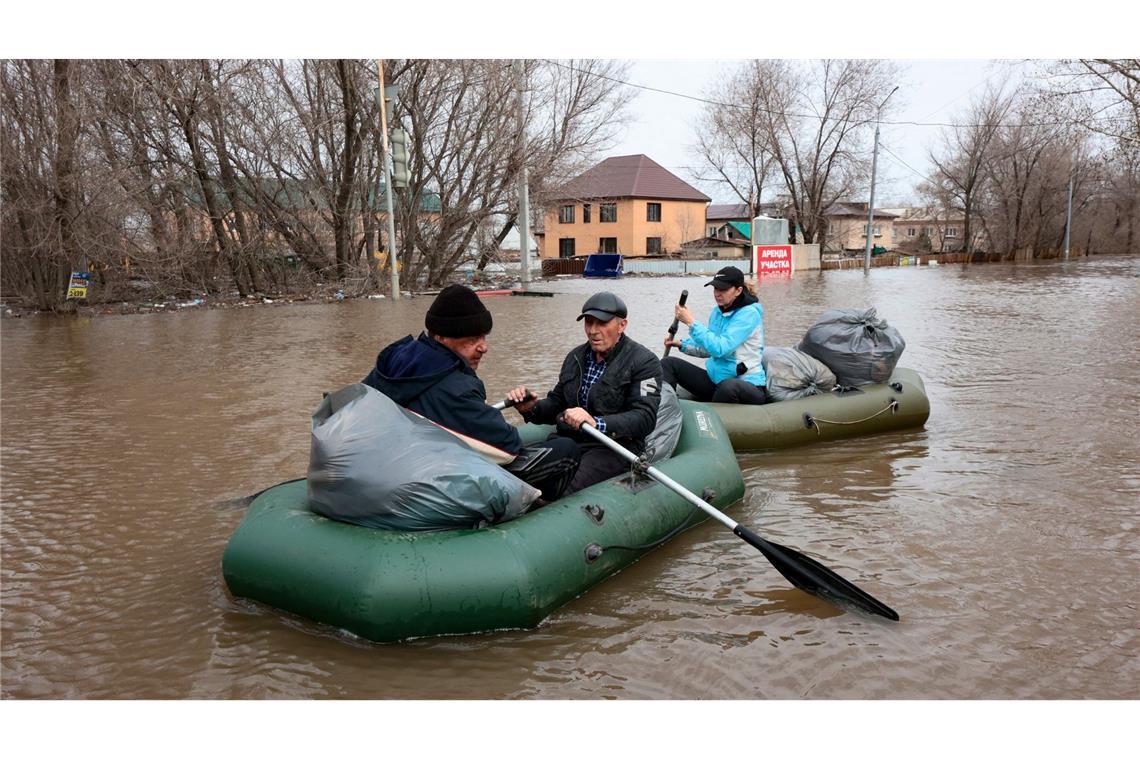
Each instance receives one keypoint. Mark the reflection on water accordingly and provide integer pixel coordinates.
(1004, 532)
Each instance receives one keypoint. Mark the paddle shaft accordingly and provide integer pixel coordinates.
(660, 477)
(673, 327)
(801, 570)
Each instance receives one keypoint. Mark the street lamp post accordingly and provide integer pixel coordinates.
(524, 198)
(1069, 207)
(393, 264)
(871, 203)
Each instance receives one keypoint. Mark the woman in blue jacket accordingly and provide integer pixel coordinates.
(733, 344)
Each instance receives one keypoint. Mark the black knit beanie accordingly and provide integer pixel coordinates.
(457, 313)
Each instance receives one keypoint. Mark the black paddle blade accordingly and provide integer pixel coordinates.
(808, 575)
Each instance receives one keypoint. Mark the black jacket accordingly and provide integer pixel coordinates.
(431, 379)
(626, 396)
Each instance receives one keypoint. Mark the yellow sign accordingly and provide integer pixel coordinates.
(382, 260)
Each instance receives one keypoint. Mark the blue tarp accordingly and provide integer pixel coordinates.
(603, 265)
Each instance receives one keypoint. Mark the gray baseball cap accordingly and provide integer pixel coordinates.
(604, 306)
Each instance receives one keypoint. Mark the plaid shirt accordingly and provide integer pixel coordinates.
(594, 370)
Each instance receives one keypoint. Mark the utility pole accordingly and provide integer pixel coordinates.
(1069, 211)
(524, 196)
(386, 160)
(871, 203)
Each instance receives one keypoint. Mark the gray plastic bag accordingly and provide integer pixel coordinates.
(856, 345)
(376, 464)
(660, 443)
(793, 374)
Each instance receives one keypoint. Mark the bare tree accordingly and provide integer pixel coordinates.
(464, 148)
(960, 164)
(41, 193)
(809, 119)
(734, 141)
(207, 175)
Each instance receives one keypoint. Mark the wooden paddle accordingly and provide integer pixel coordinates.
(673, 327)
(803, 571)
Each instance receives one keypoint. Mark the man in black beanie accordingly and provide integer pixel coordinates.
(434, 375)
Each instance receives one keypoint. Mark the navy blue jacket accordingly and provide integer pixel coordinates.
(431, 379)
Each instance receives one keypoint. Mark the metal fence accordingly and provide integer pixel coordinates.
(552, 267)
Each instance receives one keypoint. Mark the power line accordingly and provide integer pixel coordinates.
(884, 122)
(904, 163)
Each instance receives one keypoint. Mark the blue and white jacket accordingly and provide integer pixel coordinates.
(731, 338)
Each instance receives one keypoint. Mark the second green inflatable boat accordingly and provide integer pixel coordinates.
(898, 404)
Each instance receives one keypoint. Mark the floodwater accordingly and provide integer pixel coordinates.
(1005, 532)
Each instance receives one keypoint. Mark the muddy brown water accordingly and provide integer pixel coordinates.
(1004, 532)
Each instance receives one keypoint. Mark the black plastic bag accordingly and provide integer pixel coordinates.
(855, 344)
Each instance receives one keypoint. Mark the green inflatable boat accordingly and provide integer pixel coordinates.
(391, 585)
(898, 404)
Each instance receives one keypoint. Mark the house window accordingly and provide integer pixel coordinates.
(608, 212)
(712, 231)
(910, 232)
(653, 245)
(566, 214)
(878, 231)
(585, 213)
(607, 245)
(565, 248)
(653, 212)
(951, 232)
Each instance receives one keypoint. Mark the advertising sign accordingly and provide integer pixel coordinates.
(772, 260)
(77, 286)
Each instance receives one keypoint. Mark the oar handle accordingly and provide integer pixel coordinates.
(508, 403)
(673, 327)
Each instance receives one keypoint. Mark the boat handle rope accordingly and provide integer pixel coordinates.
(811, 421)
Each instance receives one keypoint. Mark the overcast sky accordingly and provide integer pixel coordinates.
(663, 125)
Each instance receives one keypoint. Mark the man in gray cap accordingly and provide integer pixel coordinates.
(610, 382)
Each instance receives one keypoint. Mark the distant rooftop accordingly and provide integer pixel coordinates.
(855, 209)
(727, 211)
(629, 177)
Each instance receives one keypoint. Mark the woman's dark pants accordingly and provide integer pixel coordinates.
(696, 381)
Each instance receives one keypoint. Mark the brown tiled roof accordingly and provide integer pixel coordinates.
(629, 177)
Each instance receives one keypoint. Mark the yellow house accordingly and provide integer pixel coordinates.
(626, 204)
(847, 227)
(936, 231)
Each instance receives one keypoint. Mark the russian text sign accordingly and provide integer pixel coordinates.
(772, 259)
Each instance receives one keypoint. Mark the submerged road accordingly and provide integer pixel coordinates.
(1005, 532)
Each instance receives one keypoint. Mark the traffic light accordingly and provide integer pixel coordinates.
(399, 158)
